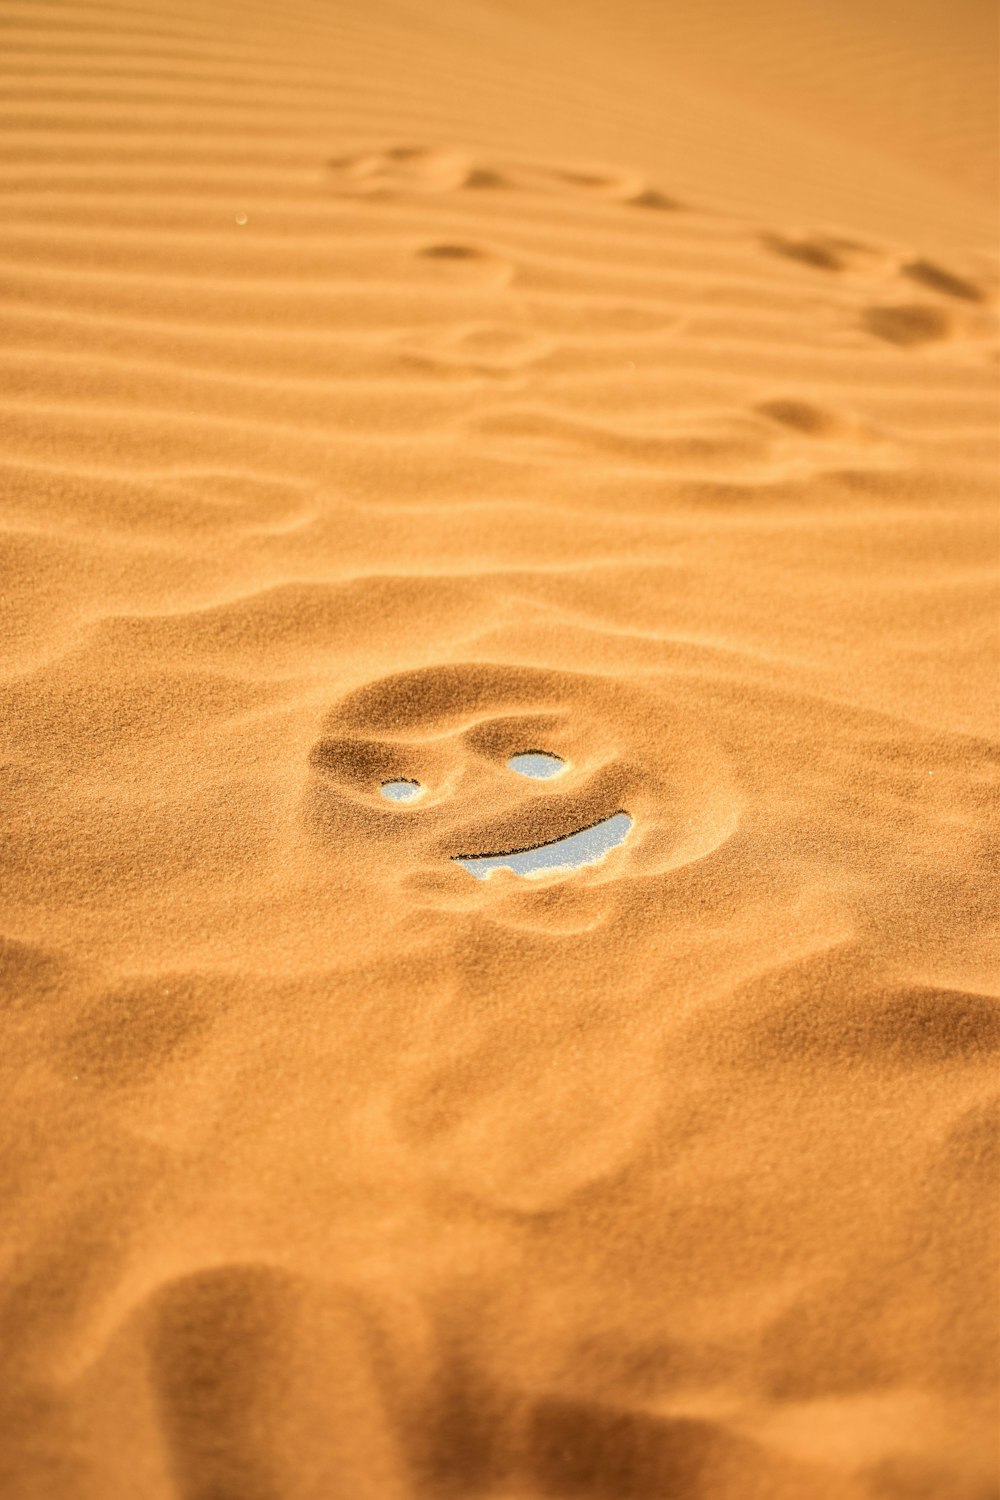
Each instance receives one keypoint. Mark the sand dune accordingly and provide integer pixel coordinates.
(387, 391)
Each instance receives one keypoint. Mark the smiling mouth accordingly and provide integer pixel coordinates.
(584, 847)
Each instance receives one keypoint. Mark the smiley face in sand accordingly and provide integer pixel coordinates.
(485, 770)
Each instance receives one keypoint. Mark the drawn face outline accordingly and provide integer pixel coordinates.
(487, 737)
(454, 729)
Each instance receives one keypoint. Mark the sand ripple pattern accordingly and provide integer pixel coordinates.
(336, 451)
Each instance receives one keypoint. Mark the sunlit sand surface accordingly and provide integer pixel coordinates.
(399, 403)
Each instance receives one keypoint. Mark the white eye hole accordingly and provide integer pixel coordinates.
(538, 764)
(401, 791)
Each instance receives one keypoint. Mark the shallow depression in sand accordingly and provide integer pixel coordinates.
(540, 765)
(401, 791)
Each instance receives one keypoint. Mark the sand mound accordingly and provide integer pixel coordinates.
(387, 393)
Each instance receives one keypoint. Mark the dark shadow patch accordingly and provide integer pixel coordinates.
(802, 416)
(937, 279)
(485, 179)
(460, 1447)
(832, 1010)
(594, 1451)
(908, 324)
(590, 182)
(362, 764)
(30, 973)
(805, 1355)
(652, 198)
(585, 1448)
(503, 736)
(455, 252)
(442, 696)
(819, 253)
(214, 1342)
(125, 1035)
(253, 1367)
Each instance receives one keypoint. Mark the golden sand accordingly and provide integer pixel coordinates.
(388, 389)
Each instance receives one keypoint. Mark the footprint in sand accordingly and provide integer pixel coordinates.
(400, 169)
(825, 438)
(839, 253)
(485, 348)
(473, 769)
(939, 279)
(913, 324)
(829, 252)
(704, 445)
(805, 417)
(408, 169)
(964, 311)
(906, 323)
(459, 262)
(909, 324)
(620, 187)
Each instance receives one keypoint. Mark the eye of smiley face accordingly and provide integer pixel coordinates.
(539, 765)
(403, 790)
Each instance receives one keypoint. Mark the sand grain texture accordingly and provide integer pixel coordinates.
(387, 390)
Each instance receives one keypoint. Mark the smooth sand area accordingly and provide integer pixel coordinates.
(390, 390)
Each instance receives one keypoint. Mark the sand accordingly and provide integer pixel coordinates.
(389, 389)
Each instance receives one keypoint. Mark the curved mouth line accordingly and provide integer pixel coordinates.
(616, 826)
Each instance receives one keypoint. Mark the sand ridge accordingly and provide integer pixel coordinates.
(387, 393)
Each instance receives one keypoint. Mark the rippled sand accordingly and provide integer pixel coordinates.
(389, 390)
